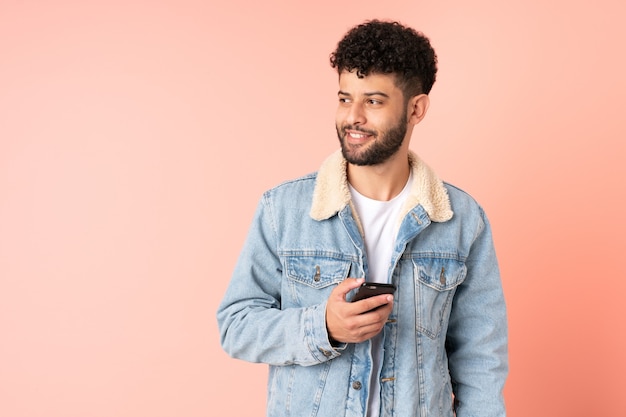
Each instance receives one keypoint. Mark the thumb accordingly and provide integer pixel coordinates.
(346, 286)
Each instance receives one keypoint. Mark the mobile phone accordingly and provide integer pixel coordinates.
(370, 289)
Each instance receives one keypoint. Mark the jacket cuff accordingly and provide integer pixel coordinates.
(319, 342)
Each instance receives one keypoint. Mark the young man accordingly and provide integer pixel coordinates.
(374, 211)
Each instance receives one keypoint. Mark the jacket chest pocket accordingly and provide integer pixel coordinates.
(310, 279)
(436, 280)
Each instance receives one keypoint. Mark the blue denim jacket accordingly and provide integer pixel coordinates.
(446, 335)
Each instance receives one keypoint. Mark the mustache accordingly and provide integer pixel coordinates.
(358, 129)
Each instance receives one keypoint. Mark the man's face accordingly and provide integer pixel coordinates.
(371, 118)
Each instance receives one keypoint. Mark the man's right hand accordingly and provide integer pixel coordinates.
(355, 322)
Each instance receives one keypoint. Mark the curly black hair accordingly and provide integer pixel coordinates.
(384, 47)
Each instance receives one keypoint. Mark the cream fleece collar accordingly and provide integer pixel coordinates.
(332, 194)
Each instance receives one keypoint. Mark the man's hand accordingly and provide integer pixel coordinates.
(355, 322)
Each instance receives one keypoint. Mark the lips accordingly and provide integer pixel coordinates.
(357, 135)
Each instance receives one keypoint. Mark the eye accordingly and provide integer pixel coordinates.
(374, 102)
(344, 100)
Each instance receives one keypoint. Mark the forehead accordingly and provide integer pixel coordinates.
(351, 84)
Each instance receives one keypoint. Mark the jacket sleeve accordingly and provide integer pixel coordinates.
(253, 327)
(477, 333)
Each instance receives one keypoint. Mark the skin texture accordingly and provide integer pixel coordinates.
(369, 108)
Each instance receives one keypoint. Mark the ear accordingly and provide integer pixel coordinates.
(417, 107)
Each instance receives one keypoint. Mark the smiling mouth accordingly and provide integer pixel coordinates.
(357, 135)
(357, 138)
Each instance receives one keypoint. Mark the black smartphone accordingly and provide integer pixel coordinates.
(370, 289)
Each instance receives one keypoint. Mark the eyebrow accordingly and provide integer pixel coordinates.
(369, 94)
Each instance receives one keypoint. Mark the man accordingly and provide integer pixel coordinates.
(373, 211)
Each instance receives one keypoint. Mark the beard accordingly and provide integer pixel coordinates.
(384, 145)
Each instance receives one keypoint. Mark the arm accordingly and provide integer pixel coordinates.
(253, 326)
(477, 333)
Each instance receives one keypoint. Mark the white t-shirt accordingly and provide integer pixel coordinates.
(379, 220)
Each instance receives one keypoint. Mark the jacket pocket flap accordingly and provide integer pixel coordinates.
(316, 271)
(439, 273)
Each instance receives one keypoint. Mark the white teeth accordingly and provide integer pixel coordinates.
(357, 136)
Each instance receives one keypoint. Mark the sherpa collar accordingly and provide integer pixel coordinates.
(332, 193)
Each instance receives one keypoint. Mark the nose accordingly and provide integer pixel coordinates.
(356, 114)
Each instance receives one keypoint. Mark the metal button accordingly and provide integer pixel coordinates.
(326, 353)
(356, 385)
(316, 278)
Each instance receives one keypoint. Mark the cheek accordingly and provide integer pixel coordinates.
(340, 116)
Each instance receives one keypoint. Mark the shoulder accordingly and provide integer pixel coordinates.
(463, 204)
(295, 183)
(300, 188)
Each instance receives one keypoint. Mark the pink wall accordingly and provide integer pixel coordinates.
(137, 136)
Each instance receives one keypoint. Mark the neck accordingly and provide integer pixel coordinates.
(381, 182)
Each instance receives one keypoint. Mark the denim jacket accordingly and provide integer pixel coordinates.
(445, 338)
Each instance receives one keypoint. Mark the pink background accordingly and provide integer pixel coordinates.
(136, 138)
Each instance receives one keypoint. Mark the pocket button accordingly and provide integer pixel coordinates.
(325, 352)
(318, 274)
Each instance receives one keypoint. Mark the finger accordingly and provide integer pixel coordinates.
(372, 303)
(368, 331)
(346, 286)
